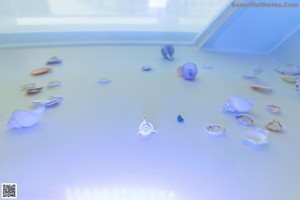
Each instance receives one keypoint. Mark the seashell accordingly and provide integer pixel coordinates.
(40, 71)
(168, 52)
(256, 137)
(289, 70)
(245, 119)
(273, 108)
(25, 118)
(274, 126)
(298, 83)
(215, 129)
(255, 71)
(104, 81)
(27, 86)
(54, 61)
(238, 104)
(52, 84)
(146, 128)
(261, 88)
(207, 66)
(188, 71)
(146, 68)
(180, 119)
(289, 79)
(51, 101)
(34, 90)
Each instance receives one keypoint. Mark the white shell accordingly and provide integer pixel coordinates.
(25, 118)
(215, 129)
(245, 119)
(48, 102)
(255, 71)
(104, 81)
(289, 70)
(52, 84)
(257, 136)
(238, 104)
(146, 128)
(273, 108)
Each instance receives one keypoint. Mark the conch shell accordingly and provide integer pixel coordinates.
(238, 104)
(25, 118)
(146, 128)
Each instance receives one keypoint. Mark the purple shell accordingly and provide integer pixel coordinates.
(189, 71)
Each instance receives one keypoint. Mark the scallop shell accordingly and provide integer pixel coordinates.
(34, 90)
(42, 70)
(188, 71)
(51, 101)
(256, 137)
(54, 61)
(289, 70)
(245, 119)
(274, 126)
(238, 104)
(168, 51)
(273, 108)
(215, 129)
(261, 88)
(52, 84)
(146, 128)
(25, 118)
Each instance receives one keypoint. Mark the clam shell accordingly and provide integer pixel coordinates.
(273, 108)
(42, 70)
(274, 126)
(256, 137)
(168, 52)
(245, 119)
(25, 118)
(34, 90)
(215, 129)
(238, 104)
(289, 79)
(51, 101)
(188, 71)
(146, 128)
(146, 68)
(54, 61)
(261, 88)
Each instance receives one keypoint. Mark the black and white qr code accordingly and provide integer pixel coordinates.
(9, 191)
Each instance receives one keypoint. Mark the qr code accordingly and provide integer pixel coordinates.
(9, 190)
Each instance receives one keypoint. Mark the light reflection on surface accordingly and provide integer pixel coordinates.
(118, 194)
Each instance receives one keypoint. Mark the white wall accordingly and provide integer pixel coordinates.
(90, 140)
(288, 51)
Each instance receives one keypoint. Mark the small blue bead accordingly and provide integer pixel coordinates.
(180, 119)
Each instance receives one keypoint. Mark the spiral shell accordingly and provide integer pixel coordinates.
(25, 118)
(188, 71)
(146, 128)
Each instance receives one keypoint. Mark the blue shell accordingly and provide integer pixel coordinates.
(168, 51)
(189, 71)
(54, 61)
(180, 119)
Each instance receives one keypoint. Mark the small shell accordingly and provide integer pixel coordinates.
(25, 118)
(274, 126)
(27, 86)
(261, 88)
(104, 81)
(146, 68)
(289, 79)
(298, 83)
(51, 101)
(238, 104)
(54, 61)
(180, 119)
(146, 128)
(52, 84)
(245, 119)
(256, 137)
(273, 108)
(42, 70)
(168, 52)
(215, 129)
(34, 90)
(188, 71)
(289, 70)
